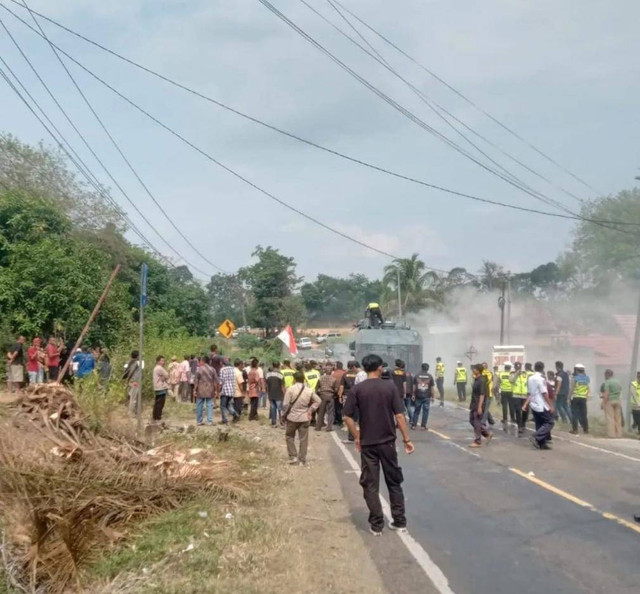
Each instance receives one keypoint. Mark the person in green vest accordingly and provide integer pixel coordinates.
(506, 396)
(460, 381)
(374, 314)
(580, 392)
(440, 379)
(288, 373)
(635, 402)
(519, 380)
(611, 404)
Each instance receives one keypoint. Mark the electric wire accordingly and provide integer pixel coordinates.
(298, 138)
(121, 153)
(464, 97)
(412, 117)
(436, 106)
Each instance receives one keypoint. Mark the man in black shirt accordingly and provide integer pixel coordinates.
(346, 385)
(479, 401)
(422, 396)
(380, 408)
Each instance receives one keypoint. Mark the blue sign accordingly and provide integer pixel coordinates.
(144, 273)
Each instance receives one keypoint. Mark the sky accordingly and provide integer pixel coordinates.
(564, 75)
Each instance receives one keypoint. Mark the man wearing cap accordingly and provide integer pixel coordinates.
(460, 380)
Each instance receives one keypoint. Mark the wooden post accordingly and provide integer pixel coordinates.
(90, 321)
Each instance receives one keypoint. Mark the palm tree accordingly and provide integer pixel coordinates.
(419, 288)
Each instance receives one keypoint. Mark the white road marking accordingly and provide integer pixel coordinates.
(433, 572)
(592, 447)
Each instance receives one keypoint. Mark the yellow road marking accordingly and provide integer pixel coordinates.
(576, 500)
(441, 435)
(551, 488)
(622, 522)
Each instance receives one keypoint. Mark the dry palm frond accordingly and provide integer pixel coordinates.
(64, 502)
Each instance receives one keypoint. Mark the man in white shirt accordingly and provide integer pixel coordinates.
(541, 407)
(361, 375)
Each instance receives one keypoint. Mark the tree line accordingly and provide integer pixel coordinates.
(60, 239)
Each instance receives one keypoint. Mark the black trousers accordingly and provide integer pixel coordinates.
(544, 424)
(521, 416)
(371, 459)
(238, 404)
(253, 408)
(579, 414)
(636, 418)
(462, 391)
(508, 412)
(338, 412)
(158, 405)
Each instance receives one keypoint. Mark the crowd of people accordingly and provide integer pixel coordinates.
(44, 362)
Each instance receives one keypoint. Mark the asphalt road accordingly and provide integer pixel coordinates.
(508, 518)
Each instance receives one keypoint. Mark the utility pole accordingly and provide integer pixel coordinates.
(399, 295)
(634, 365)
(501, 304)
(509, 308)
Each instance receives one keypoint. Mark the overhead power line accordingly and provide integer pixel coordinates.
(298, 138)
(438, 109)
(120, 152)
(408, 114)
(465, 98)
(80, 164)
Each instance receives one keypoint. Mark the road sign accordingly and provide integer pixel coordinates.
(227, 328)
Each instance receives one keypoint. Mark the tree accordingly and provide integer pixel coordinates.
(271, 282)
(491, 275)
(603, 253)
(42, 173)
(228, 299)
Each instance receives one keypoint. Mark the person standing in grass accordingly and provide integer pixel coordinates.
(53, 359)
(15, 360)
(275, 390)
(205, 390)
(174, 377)
(185, 371)
(227, 391)
(254, 389)
(160, 387)
(299, 404)
(240, 387)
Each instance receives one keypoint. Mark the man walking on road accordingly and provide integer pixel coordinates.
(460, 381)
(440, 379)
(479, 400)
(380, 410)
(541, 407)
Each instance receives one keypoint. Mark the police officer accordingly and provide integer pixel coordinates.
(312, 378)
(440, 379)
(506, 395)
(581, 384)
(460, 381)
(635, 402)
(520, 392)
(287, 373)
(374, 315)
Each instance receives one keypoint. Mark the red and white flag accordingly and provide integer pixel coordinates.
(286, 336)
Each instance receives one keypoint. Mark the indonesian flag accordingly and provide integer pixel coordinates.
(286, 336)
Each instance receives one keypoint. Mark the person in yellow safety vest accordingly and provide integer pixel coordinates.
(580, 392)
(635, 402)
(506, 396)
(520, 381)
(460, 381)
(488, 375)
(374, 314)
(312, 378)
(440, 379)
(287, 372)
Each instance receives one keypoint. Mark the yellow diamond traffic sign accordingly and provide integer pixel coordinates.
(227, 328)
